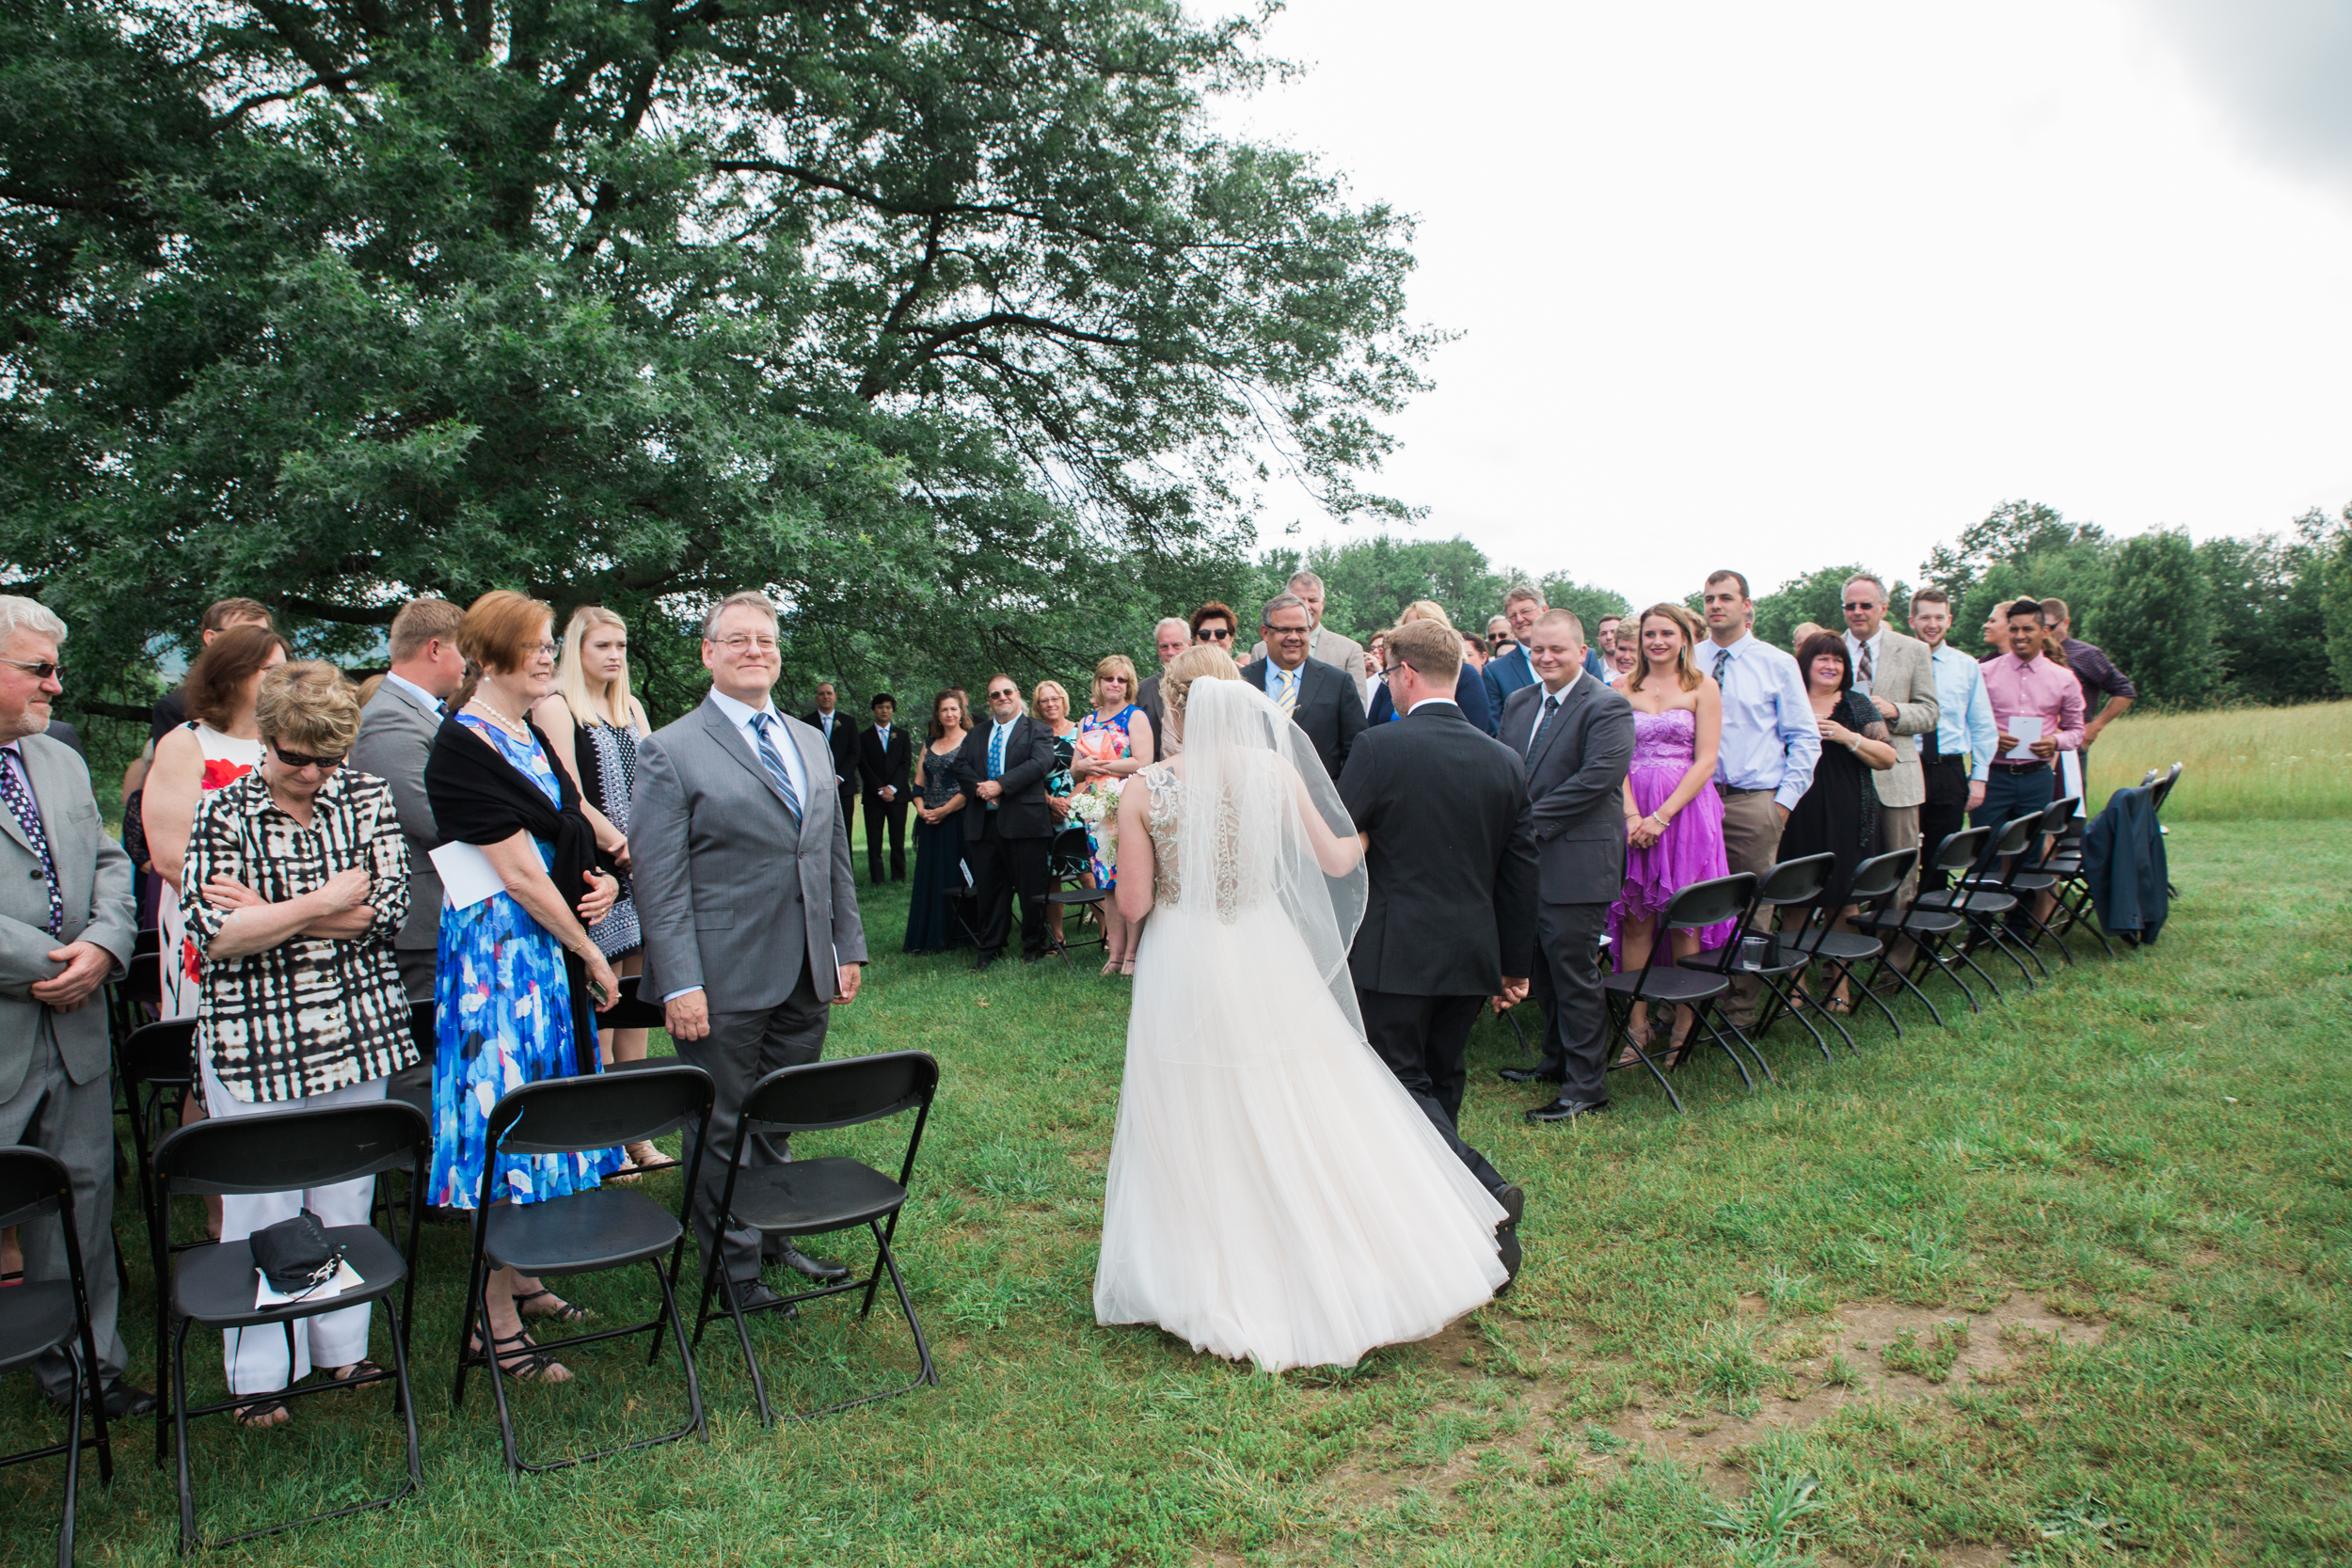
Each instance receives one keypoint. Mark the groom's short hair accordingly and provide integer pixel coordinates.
(1566, 618)
(1433, 649)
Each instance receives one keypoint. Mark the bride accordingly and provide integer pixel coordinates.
(1273, 1190)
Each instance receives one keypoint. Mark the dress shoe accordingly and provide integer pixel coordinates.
(753, 1294)
(123, 1400)
(822, 1270)
(982, 962)
(1564, 1108)
(1529, 1075)
(1032, 957)
(1513, 1203)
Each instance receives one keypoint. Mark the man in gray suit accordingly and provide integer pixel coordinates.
(396, 731)
(1577, 738)
(68, 916)
(1896, 673)
(740, 856)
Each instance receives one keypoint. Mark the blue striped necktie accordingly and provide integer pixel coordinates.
(772, 760)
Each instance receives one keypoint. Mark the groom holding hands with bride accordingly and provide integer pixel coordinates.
(1275, 1191)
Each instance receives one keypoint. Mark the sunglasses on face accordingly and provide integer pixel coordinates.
(1861, 604)
(1217, 634)
(299, 759)
(41, 669)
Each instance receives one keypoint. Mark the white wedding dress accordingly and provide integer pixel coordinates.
(1273, 1191)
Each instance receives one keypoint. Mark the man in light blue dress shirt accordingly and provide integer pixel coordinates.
(1770, 746)
(1965, 732)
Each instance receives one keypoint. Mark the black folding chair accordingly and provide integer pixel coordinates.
(215, 1283)
(39, 1316)
(1985, 898)
(584, 1232)
(156, 1064)
(1876, 882)
(1775, 961)
(1085, 900)
(2033, 876)
(2158, 796)
(1933, 933)
(1699, 905)
(2072, 889)
(811, 1198)
(130, 1001)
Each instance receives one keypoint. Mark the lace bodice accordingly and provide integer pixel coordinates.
(1162, 814)
(1668, 739)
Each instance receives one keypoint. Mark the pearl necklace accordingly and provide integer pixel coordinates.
(517, 728)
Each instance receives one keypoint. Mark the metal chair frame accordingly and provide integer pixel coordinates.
(370, 1137)
(1930, 930)
(1785, 885)
(788, 1089)
(1700, 904)
(1087, 901)
(618, 1113)
(155, 1061)
(1983, 899)
(34, 1184)
(1876, 882)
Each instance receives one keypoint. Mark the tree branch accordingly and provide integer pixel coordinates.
(363, 615)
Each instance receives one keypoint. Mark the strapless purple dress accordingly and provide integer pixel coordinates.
(1691, 847)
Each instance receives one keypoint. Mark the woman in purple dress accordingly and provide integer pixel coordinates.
(1673, 820)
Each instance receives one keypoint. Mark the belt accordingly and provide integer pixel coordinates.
(2021, 766)
(1728, 789)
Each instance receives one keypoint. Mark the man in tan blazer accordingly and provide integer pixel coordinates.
(67, 919)
(1898, 673)
(1342, 654)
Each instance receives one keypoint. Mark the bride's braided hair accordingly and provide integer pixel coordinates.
(1201, 663)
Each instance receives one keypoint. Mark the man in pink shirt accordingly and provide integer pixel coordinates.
(2023, 684)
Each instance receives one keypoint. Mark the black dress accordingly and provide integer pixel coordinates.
(1069, 855)
(938, 863)
(1839, 814)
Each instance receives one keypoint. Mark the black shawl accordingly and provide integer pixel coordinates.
(478, 797)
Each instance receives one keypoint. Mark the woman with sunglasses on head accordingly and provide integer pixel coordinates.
(1114, 742)
(299, 882)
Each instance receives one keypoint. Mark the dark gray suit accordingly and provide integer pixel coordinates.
(56, 1090)
(395, 738)
(1328, 709)
(756, 910)
(1576, 791)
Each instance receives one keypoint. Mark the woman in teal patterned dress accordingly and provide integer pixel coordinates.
(1113, 742)
(508, 998)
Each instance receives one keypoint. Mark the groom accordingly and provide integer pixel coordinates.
(1442, 809)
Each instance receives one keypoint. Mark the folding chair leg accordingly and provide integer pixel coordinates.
(406, 1395)
(180, 1435)
(1877, 1001)
(1705, 1017)
(1793, 997)
(74, 1457)
(1620, 1027)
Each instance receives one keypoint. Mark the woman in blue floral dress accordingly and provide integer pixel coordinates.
(516, 971)
(1113, 742)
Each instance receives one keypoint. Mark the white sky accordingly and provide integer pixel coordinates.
(1777, 286)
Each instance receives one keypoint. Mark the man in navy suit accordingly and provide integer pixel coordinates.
(1321, 701)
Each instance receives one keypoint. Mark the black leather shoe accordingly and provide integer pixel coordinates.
(982, 962)
(822, 1270)
(1529, 1075)
(1513, 1203)
(126, 1400)
(754, 1294)
(1564, 1108)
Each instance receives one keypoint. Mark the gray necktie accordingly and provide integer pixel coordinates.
(1535, 741)
(1723, 659)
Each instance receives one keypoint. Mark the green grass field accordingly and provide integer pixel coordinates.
(2281, 762)
(2065, 1283)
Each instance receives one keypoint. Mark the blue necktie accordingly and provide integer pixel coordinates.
(772, 760)
(995, 756)
(1722, 658)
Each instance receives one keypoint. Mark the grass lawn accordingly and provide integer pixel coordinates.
(2059, 1283)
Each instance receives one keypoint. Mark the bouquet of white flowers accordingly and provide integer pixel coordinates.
(1093, 808)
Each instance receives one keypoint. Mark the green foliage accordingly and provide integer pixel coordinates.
(942, 321)
(2336, 592)
(1368, 583)
(1564, 592)
(2270, 611)
(2156, 617)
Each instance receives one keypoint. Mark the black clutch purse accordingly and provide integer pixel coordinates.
(294, 1255)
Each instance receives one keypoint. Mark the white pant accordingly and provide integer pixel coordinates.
(256, 1357)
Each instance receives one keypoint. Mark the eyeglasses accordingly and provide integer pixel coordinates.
(1222, 634)
(41, 669)
(1286, 631)
(1391, 670)
(742, 640)
(299, 760)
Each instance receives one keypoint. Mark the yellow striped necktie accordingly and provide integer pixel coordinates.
(1288, 681)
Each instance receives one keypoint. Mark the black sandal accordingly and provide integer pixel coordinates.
(250, 1415)
(527, 1365)
(361, 1368)
(562, 1312)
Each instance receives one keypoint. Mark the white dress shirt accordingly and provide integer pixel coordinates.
(415, 693)
(739, 716)
(1771, 738)
(1877, 645)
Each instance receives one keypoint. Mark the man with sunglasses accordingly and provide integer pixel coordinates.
(1898, 675)
(67, 920)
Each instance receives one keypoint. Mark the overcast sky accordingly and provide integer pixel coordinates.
(1773, 287)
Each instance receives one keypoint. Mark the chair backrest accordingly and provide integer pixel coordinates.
(1881, 874)
(817, 1096)
(149, 940)
(1709, 903)
(2163, 791)
(33, 1183)
(161, 1052)
(284, 1151)
(1797, 881)
(632, 1011)
(2017, 832)
(145, 980)
(2054, 825)
(565, 1116)
(1960, 850)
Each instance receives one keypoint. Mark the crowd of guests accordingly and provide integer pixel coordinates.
(283, 828)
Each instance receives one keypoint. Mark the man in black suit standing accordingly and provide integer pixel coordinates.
(1576, 736)
(1320, 700)
(840, 732)
(1002, 766)
(1450, 919)
(883, 756)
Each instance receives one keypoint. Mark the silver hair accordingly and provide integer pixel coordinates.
(1871, 577)
(21, 614)
(1523, 591)
(1304, 579)
(751, 599)
(1167, 620)
(1283, 601)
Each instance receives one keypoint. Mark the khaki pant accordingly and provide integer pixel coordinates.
(1898, 829)
(1751, 843)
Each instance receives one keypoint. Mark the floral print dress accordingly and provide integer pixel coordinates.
(1107, 741)
(504, 1019)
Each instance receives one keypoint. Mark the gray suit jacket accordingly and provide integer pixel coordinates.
(95, 879)
(1905, 675)
(1576, 789)
(395, 738)
(721, 905)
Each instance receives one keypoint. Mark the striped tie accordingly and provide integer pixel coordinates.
(772, 760)
(1287, 699)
